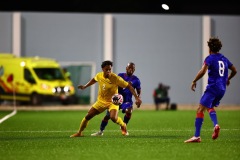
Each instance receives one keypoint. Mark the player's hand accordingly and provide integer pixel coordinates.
(138, 102)
(138, 106)
(81, 87)
(228, 82)
(193, 86)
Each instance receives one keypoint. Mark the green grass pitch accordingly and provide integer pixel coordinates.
(38, 135)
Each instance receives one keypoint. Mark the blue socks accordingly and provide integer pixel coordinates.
(103, 124)
(199, 120)
(213, 116)
(127, 117)
(198, 123)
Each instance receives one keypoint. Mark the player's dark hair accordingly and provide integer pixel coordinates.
(214, 44)
(131, 63)
(106, 63)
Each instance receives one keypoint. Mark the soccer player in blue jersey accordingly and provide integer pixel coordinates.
(218, 78)
(127, 105)
(108, 84)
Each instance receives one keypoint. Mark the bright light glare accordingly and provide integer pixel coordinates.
(22, 64)
(66, 89)
(164, 6)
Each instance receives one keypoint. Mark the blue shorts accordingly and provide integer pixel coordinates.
(211, 97)
(125, 106)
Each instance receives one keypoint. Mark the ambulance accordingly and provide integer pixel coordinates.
(33, 80)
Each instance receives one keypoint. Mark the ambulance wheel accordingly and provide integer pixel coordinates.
(36, 99)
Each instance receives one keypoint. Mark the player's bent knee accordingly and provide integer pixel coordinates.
(114, 119)
(128, 110)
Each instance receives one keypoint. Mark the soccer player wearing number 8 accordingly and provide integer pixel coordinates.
(218, 78)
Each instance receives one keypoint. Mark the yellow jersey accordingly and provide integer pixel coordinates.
(107, 87)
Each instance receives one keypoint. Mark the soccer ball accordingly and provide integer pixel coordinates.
(117, 99)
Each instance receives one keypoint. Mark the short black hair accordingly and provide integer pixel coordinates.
(131, 63)
(106, 63)
(214, 44)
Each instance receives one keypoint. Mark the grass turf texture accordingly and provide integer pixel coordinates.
(37, 135)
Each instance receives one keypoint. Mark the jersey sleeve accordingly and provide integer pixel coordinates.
(138, 86)
(121, 82)
(136, 83)
(229, 63)
(207, 61)
(96, 78)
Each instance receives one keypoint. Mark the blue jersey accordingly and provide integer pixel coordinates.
(136, 84)
(218, 66)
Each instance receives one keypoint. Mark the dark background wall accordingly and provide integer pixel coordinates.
(230, 7)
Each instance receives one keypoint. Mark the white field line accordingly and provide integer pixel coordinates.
(161, 130)
(8, 116)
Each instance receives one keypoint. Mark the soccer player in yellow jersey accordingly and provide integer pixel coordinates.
(108, 84)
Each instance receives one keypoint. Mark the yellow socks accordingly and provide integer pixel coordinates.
(83, 125)
(120, 121)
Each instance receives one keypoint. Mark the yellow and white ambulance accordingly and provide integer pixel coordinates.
(33, 80)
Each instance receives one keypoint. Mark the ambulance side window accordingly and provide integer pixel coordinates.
(28, 76)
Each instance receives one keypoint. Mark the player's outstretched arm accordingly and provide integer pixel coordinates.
(91, 82)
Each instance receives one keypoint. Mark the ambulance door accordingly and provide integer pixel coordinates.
(29, 82)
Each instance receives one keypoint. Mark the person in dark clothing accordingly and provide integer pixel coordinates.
(160, 95)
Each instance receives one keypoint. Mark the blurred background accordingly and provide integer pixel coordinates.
(166, 45)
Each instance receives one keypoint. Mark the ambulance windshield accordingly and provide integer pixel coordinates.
(49, 73)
